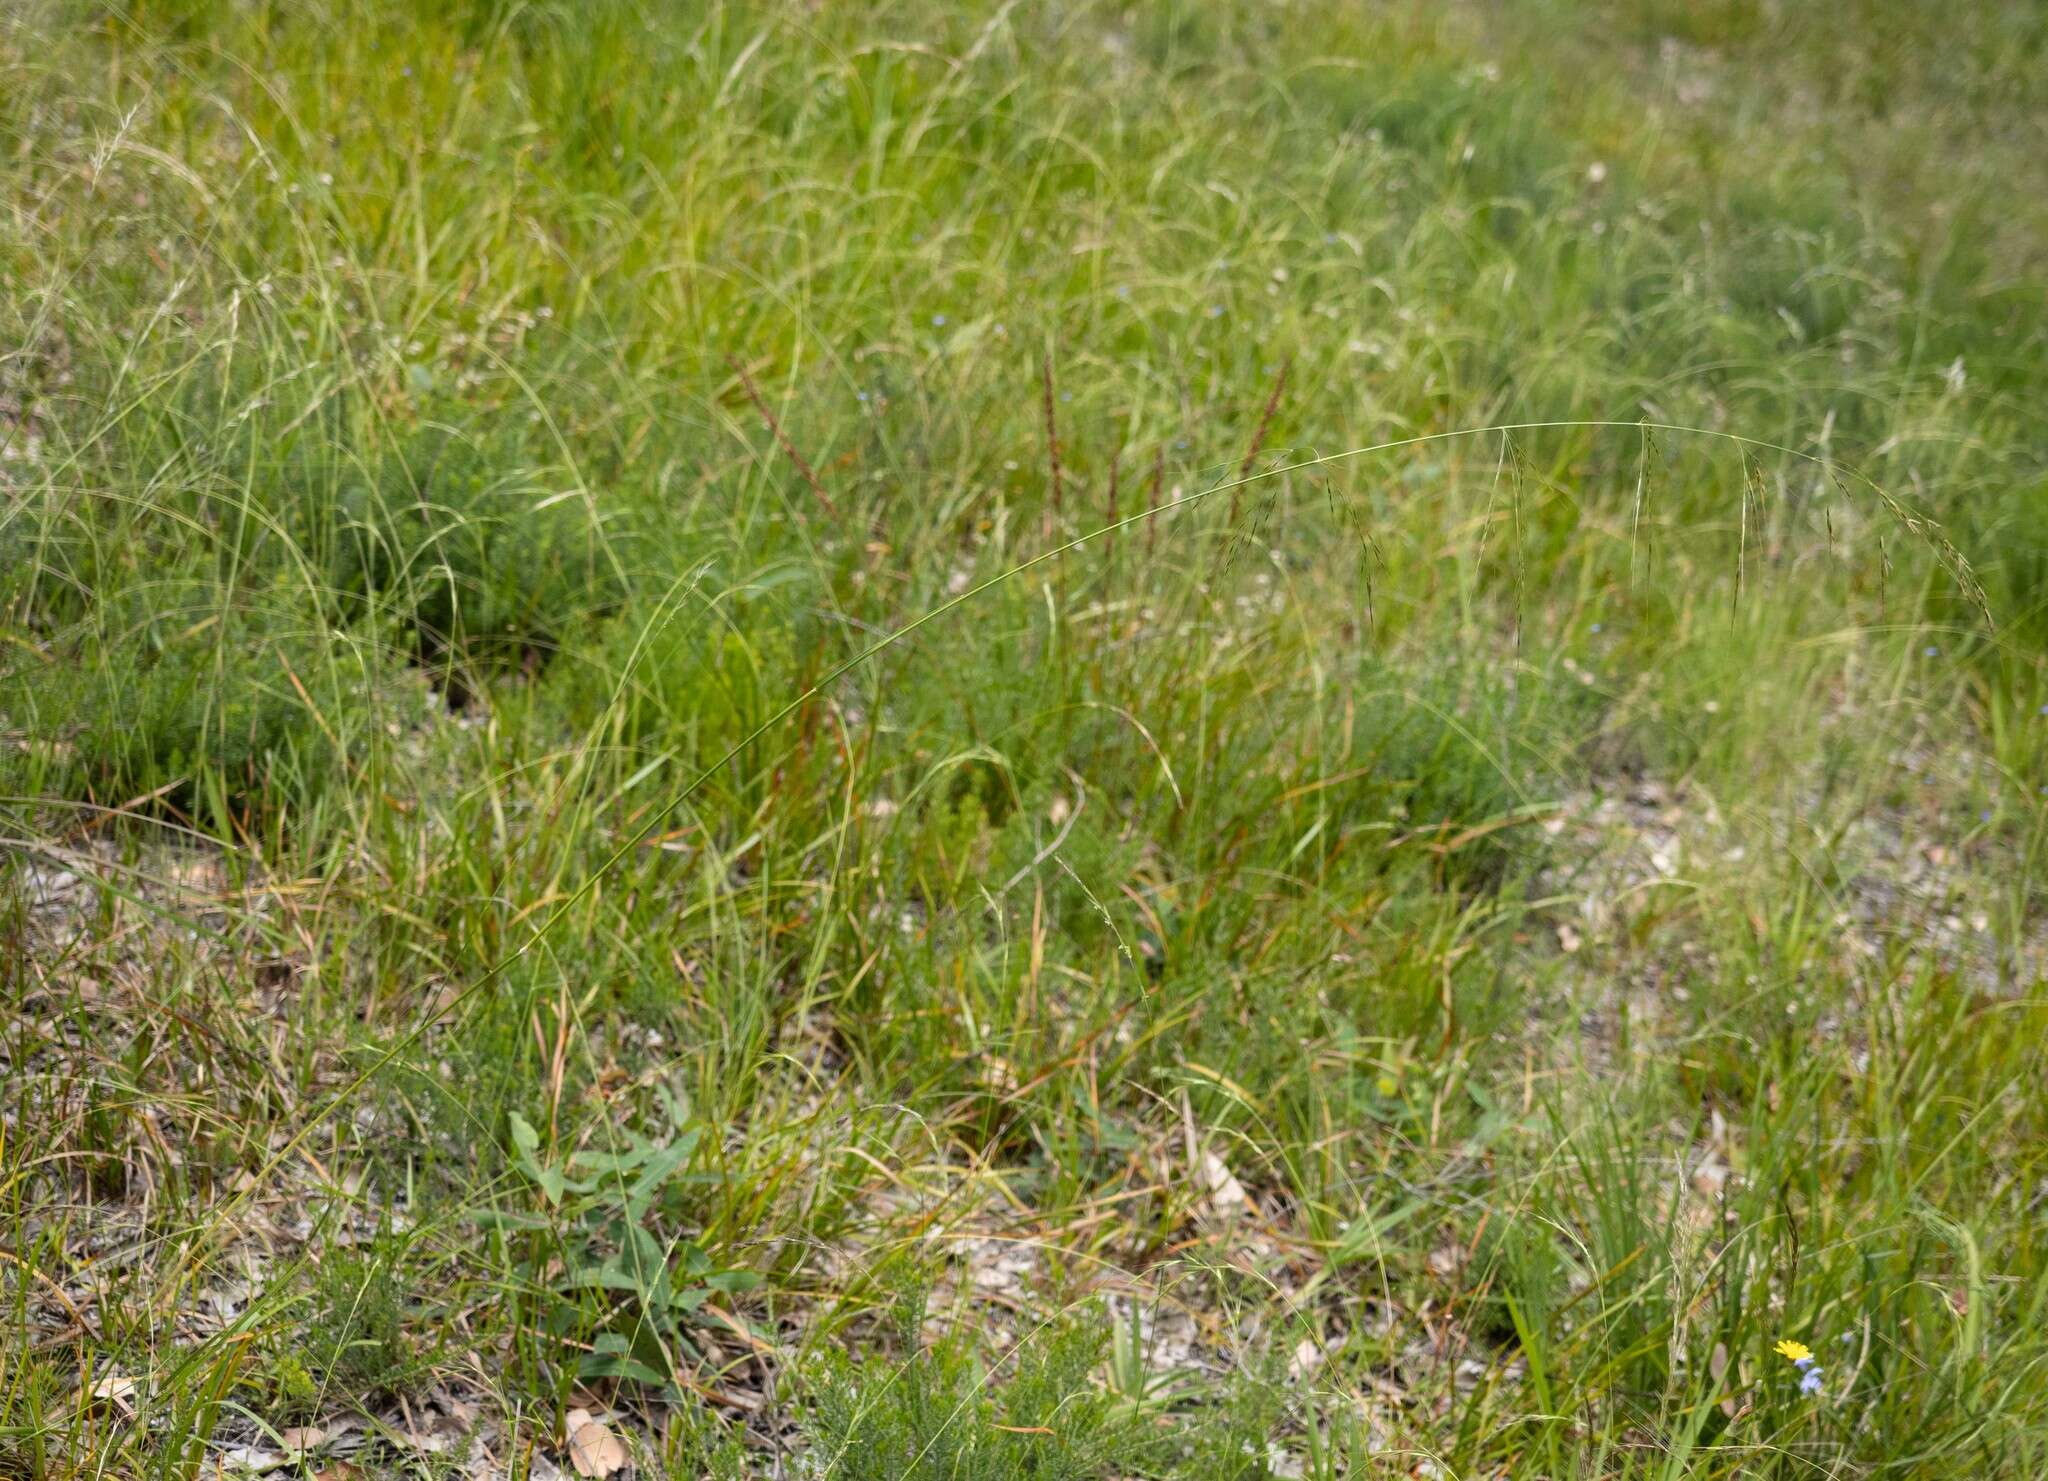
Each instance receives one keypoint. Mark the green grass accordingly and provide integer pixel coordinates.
(1253, 741)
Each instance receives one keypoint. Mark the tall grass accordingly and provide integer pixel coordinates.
(711, 714)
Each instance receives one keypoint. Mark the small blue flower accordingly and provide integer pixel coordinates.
(1215, 310)
(1930, 651)
(860, 395)
(1809, 1382)
(1596, 627)
(938, 320)
(2044, 709)
(1984, 816)
(1123, 290)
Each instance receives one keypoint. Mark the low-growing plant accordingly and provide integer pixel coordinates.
(181, 694)
(954, 1408)
(628, 1293)
(456, 542)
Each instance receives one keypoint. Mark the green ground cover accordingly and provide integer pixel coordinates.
(914, 740)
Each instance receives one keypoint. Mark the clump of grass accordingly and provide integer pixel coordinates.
(456, 544)
(178, 695)
(948, 1409)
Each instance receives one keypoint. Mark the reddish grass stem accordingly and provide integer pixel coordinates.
(1152, 497)
(1259, 436)
(774, 426)
(1052, 438)
(1115, 463)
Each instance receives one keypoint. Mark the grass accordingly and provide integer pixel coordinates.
(1043, 741)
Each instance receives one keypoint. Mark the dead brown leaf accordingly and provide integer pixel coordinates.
(594, 1450)
(115, 1388)
(1227, 1198)
(302, 1437)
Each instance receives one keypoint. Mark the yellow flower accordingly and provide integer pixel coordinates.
(1798, 1352)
